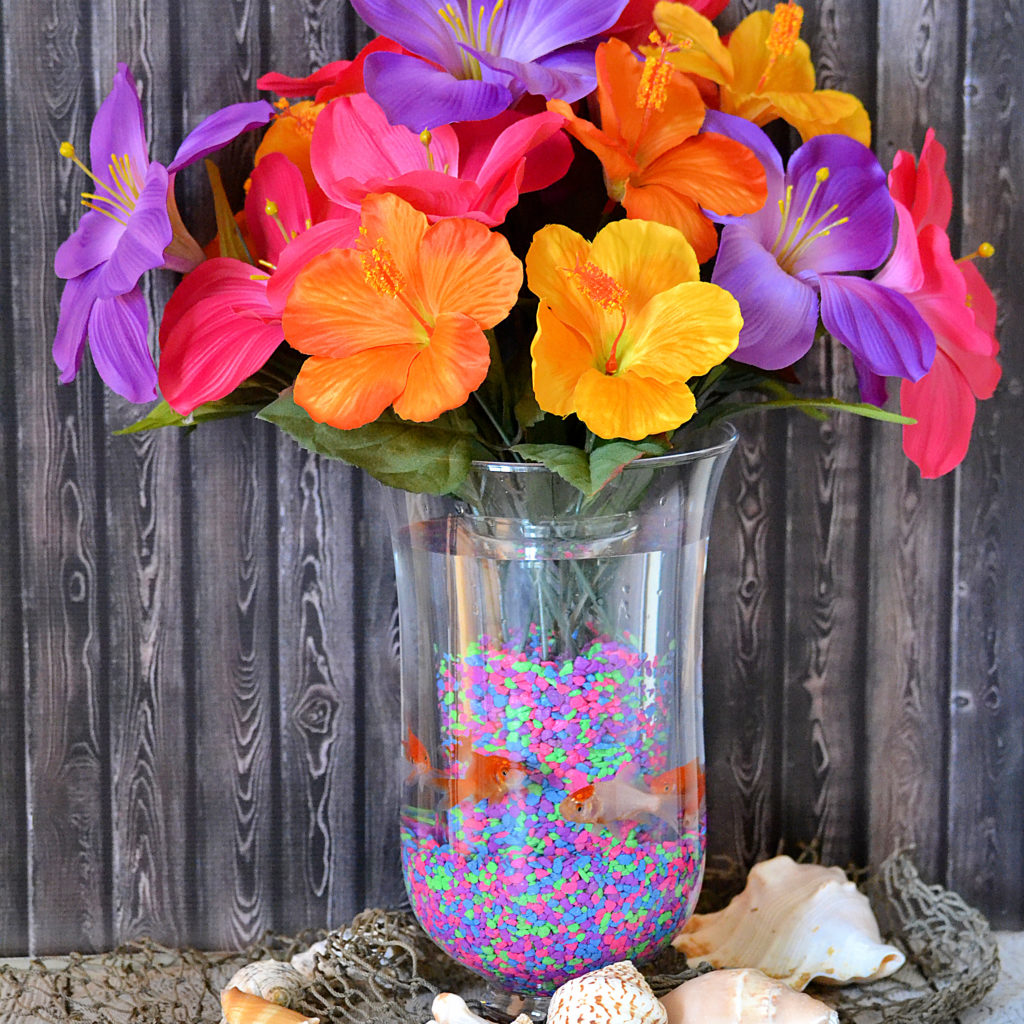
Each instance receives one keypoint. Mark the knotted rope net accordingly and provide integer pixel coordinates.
(382, 968)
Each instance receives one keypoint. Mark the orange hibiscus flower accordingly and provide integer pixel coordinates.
(657, 162)
(399, 319)
(764, 70)
(622, 325)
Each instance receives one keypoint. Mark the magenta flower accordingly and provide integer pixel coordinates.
(223, 321)
(480, 56)
(954, 301)
(132, 225)
(827, 217)
(473, 169)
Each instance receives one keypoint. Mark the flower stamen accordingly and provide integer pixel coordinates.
(782, 36)
(800, 234)
(119, 201)
(603, 290)
(382, 273)
(984, 251)
(425, 138)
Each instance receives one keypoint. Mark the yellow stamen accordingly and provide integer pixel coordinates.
(603, 290)
(121, 194)
(379, 267)
(271, 209)
(425, 138)
(984, 251)
(652, 91)
(780, 247)
(782, 36)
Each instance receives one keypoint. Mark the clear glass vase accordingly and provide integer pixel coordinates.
(553, 811)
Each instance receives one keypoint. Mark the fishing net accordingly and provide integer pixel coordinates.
(383, 969)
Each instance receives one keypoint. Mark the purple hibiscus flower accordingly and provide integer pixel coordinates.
(131, 226)
(480, 56)
(827, 217)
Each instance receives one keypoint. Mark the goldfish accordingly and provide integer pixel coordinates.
(417, 757)
(487, 777)
(686, 781)
(623, 797)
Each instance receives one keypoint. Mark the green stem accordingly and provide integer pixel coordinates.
(494, 423)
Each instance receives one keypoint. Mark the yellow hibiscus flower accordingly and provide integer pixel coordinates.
(763, 70)
(623, 323)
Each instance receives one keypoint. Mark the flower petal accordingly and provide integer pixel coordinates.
(275, 179)
(659, 202)
(645, 257)
(354, 390)
(146, 235)
(560, 357)
(413, 23)
(91, 243)
(631, 406)
(466, 268)
(119, 343)
(531, 28)
(217, 130)
(902, 270)
(749, 135)
(877, 324)
(118, 130)
(445, 372)
(823, 112)
(76, 304)
(780, 313)
(216, 344)
(856, 187)
(683, 332)
(337, 233)
(419, 95)
(944, 408)
(566, 74)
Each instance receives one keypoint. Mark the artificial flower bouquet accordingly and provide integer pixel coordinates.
(541, 230)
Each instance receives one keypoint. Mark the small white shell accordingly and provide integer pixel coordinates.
(305, 962)
(272, 980)
(743, 997)
(616, 994)
(244, 1008)
(449, 1008)
(797, 923)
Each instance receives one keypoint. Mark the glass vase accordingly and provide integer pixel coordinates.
(552, 817)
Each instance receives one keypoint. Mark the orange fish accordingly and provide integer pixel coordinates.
(487, 777)
(620, 798)
(687, 780)
(417, 757)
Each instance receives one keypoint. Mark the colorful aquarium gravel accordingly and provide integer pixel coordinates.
(511, 888)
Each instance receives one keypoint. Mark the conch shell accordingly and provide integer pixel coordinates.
(245, 1008)
(449, 1008)
(797, 923)
(272, 980)
(616, 994)
(743, 997)
(305, 962)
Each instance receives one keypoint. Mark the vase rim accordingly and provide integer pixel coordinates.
(716, 439)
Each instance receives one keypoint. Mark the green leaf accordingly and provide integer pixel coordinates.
(429, 457)
(816, 408)
(588, 472)
(235, 404)
(228, 235)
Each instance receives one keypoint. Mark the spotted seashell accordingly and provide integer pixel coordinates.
(796, 923)
(743, 997)
(273, 980)
(616, 994)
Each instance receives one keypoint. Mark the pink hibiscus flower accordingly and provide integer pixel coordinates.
(954, 301)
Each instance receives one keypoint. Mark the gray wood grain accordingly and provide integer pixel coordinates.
(199, 706)
(912, 519)
(985, 839)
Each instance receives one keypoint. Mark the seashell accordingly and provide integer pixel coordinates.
(305, 962)
(616, 994)
(743, 997)
(273, 980)
(241, 1007)
(797, 923)
(449, 1008)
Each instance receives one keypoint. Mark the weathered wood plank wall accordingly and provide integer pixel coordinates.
(198, 682)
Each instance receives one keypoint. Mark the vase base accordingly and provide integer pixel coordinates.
(504, 1007)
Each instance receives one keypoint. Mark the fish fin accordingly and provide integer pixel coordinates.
(629, 773)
